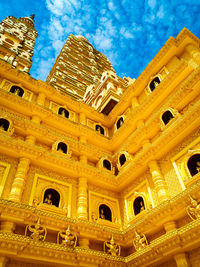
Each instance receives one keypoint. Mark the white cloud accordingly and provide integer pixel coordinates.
(152, 3)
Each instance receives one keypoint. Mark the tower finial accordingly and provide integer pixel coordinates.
(32, 16)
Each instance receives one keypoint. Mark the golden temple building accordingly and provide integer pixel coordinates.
(96, 170)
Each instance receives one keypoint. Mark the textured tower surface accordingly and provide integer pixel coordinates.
(17, 40)
(77, 66)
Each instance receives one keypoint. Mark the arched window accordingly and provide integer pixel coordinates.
(194, 164)
(4, 125)
(119, 122)
(167, 116)
(154, 83)
(62, 147)
(138, 205)
(105, 212)
(122, 159)
(100, 129)
(16, 90)
(51, 197)
(63, 112)
(107, 164)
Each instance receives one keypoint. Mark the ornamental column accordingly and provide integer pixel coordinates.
(82, 199)
(41, 99)
(82, 205)
(194, 52)
(82, 118)
(159, 181)
(3, 261)
(19, 180)
(181, 260)
(134, 102)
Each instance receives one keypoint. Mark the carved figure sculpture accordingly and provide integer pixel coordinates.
(193, 210)
(68, 239)
(142, 206)
(155, 84)
(101, 215)
(111, 247)
(48, 200)
(140, 241)
(198, 166)
(62, 113)
(37, 231)
(17, 91)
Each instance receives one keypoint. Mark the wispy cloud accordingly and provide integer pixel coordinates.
(130, 33)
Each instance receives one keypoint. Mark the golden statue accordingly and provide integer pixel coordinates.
(194, 209)
(68, 239)
(155, 84)
(101, 215)
(38, 232)
(142, 206)
(62, 113)
(2, 127)
(48, 200)
(198, 166)
(140, 241)
(17, 91)
(112, 248)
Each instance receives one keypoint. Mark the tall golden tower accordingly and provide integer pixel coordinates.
(17, 40)
(77, 66)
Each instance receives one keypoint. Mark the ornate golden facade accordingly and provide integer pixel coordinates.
(96, 170)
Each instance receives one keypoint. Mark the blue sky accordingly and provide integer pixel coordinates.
(128, 32)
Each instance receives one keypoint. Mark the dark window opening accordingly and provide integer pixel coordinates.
(154, 83)
(194, 164)
(167, 116)
(62, 147)
(138, 205)
(122, 159)
(100, 129)
(109, 106)
(105, 212)
(107, 164)
(16, 90)
(4, 125)
(120, 122)
(63, 112)
(51, 197)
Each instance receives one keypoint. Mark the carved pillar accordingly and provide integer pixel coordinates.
(83, 242)
(19, 180)
(169, 226)
(134, 102)
(181, 260)
(7, 226)
(194, 52)
(159, 181)
(82, 206)
(3, 261)
(30, 139)
(36, 119)
(82, 118)
(41, 99)
(139, 123)
(83, 139)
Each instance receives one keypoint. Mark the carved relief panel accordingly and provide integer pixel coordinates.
(51, 195)
(187, 163)
(138, 201)
(17, 89)
(104, 210)
(63, 111)
(4, 170)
